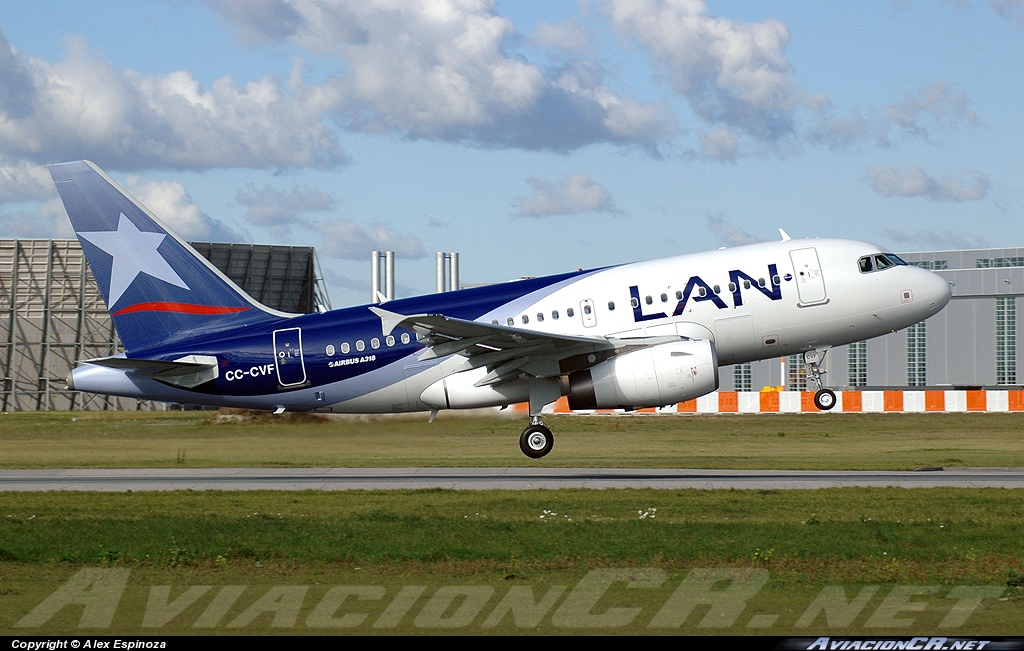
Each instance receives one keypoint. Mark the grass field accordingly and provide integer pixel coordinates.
(808, 441)
(817, 562)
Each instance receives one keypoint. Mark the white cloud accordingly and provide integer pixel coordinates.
(568, 35)
(720, 144)
(937, 101)
(85, 107)
(278, 210)
(24, 181)
(343, 238)
(937, 239)
(439, 70)
(572, 195)
(728, 234)
(1009, 9)
(49, 221)
(731, 73)
(171, 202)
(913, 181)
(934, 105)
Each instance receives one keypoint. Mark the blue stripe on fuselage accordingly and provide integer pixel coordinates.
(247, 355)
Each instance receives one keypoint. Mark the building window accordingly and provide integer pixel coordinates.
(916, 357)
(934, 265)
(741, 377)
(796, 373)
(857, 364)
(1006, 340)
(989, 263)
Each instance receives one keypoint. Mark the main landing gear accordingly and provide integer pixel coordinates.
(824, 399)
(536, 440)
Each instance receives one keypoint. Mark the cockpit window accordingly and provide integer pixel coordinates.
(879, 261)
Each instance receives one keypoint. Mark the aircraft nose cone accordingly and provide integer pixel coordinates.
(937, 292)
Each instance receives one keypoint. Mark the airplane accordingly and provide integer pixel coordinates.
(630, 336)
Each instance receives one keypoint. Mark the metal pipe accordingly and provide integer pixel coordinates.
(374, 275)
(389, 274)
(440, 271)
(453, 271)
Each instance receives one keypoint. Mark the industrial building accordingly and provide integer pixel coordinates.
(971, 344)
(52, 312)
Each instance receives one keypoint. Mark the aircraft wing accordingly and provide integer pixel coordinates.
(509, 352)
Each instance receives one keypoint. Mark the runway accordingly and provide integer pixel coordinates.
(326, 479)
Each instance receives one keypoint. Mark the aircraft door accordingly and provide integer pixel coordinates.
(291, 370)
(810, 284)
(588, 313)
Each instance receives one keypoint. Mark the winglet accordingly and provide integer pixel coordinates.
(388, 320)
(785, 235)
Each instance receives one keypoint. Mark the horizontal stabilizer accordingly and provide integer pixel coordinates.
(187, 372)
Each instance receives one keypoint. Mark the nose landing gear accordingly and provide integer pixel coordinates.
(824, 399)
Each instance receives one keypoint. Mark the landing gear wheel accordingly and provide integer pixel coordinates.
(536, 441)
(825, 399)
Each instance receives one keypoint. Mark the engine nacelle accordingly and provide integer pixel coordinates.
(651, 377)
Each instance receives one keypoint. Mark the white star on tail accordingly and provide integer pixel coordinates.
(134, 252)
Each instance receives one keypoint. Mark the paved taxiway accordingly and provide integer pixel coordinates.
(164, 479)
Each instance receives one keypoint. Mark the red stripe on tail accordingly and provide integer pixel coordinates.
(184, 308)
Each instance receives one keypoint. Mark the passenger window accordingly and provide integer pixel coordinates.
(526, 319)
(540, 317)
(569, 312)
(375, 343)
(330, 350)
(390, 340)
(717, 289)
(760, 282)
(494, 322)
(510, 321)
(776, 280)
(732, 287)
(554, 314)
(611, 306)
(405, 337)
(679, 295)
(664, 298)
(345, 348)
(746, 284)
(632, 302)
(649, 300)
(360, 346)
(702, 291)
(587, 310)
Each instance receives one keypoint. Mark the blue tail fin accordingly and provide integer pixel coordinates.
(158, 289)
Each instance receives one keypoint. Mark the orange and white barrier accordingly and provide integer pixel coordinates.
(795, 402)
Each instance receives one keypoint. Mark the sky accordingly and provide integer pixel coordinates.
(531, 137)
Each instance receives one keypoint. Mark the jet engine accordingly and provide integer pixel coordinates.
(650, 377)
